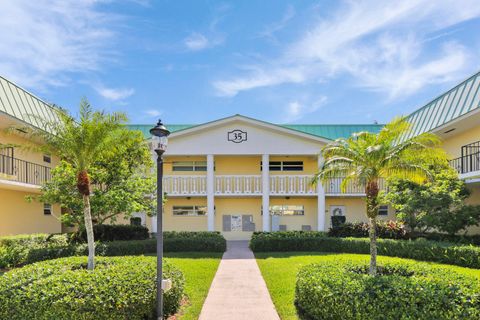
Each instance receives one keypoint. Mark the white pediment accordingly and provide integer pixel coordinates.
(243, 136)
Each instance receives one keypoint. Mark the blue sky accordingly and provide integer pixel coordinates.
(278, 61)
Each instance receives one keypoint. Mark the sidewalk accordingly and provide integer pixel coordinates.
(238, 291)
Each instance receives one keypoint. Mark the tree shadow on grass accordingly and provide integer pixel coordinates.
(191, 255)
(288, 254)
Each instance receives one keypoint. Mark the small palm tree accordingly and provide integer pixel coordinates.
(80, 143)
(367, 158)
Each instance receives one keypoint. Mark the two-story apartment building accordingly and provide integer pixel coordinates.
(22, 170)
(216, 175)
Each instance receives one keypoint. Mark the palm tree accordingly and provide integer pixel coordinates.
(80, 143)
(367, 158)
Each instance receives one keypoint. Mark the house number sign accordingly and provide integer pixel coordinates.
(237, 136)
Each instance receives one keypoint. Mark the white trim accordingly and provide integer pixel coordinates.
(251, 121)
(469, 175)
(210, 193)
(265, 195)
(320, 200)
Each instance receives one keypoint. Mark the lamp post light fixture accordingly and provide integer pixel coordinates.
(160, 140)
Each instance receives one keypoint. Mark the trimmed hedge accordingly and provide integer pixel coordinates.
(406, 290)
(22, 250)
(16, 250)
(420, 249)
(385, 230)
(174, 241)
(118, 288)
(114, 232)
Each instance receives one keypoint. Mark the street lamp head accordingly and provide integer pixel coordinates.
(160, 137)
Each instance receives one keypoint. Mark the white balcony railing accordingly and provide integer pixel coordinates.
(185, 185)
(251, 185)
(291, 185)
(238, 185)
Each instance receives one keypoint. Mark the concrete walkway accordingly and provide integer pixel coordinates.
(238, 291)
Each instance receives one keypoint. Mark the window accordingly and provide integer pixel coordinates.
(284, 165)
(47, 209)
(287, 210)
(135, 221)
(383, 210)
(189, 166)
(47, 158)
(189, 210)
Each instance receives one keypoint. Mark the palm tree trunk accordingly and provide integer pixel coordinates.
(89, 229)
(372, 212)
(373, 246)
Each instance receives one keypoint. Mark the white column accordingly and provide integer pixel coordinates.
(266, 192)
(210, 193)
(320, 201)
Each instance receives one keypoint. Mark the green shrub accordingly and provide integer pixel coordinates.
(385, 230)
(420, 249)
(22, 250)
(16, 250)
(174, 241)
(118, 288)
(112, 232)
(406, 290)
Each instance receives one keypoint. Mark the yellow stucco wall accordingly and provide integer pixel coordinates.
(452, 145)
(179, 223)
(296, 222)
(18, 216)
(238, 206)
(354, 209)
(168, 164)
(23, 152)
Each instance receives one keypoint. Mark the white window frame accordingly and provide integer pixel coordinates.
(47, 158)
(193, 211)
(383, 208)
(279, 210)
(47, 207)
(191, 166)
(281, 165)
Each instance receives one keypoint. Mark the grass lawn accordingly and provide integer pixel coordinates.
(279, 269)
(199, 268)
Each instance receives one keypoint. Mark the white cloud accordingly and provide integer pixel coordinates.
(115, 94)
(196, 41)
(153, 113)
(296, 110)
(270, 30)
(384, 46)
(43, 41)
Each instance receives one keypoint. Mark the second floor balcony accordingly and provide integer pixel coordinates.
(251, 185)
(469, 161)
(17, 170)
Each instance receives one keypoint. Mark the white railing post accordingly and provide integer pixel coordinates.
(320, 201)
(266, 192)
(210, 193)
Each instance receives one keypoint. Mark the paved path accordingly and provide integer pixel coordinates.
(238, 291)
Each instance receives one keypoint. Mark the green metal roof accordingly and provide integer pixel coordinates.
(333, 131)
(22, 105)
(454, 103)
(328, 131)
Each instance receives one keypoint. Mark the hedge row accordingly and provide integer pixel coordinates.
(406, 290)
(112, 232)
(118, 288)
(396, 230)
(21, 250)
(419, 249)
